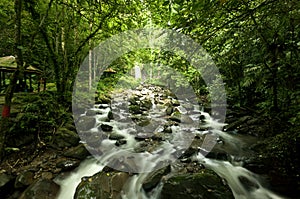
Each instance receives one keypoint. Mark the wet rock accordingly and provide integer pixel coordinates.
(146, 103)
(102, 185)
(176, 116)
(65, 138)
(143, 122)
(95, 139)
(175, 102)
(24, 179)
(120, 142)
(91, 112)
(143, 136)
(102, 100)
(67, 165)
(43, 188)
(134, 100)
(135, 109)
(202, 185)
(248, 184)
(85, 123)
(115, 136)
(78, 152)
(167, 129)
(112, 116)
(78, 110)
(106, 127)
(202, 118)
(169, 110)
(154, 177)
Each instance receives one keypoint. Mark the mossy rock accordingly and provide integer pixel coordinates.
(135, 109)
(43, 188)
(102, 185)
(65, 138)
(202, 185)
(85, 123)
(78, 152)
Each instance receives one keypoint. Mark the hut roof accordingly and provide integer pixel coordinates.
(9, 64)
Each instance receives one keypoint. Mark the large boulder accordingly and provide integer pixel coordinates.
(65, 138)
(85, 123)
(102, 185)
(202, 185)
(78, 152)
(43, 188)
(155, 177)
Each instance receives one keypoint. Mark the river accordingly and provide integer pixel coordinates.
(124, 138)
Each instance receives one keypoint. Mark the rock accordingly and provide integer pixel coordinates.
(112, 116)
(67, 165)
(102, 185)
(6, 184)
(169, 110)
(154, 177)
(78, 110)
(175, 102)
(65, 138)
(102, 99)
(202, 185)
(167, 129)
(143, 122)
(24, 179)
(202, 118)
(85, 123)
(135, 109)
(91, 112)
(120, 142)
(147, 104)
(176, 116)
(134, 100)
(78, 152)
(115, 136)
(106, 127)
(43, 188)
(143, 136)
(95, 139)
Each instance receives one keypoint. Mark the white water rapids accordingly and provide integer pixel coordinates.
(243, 183)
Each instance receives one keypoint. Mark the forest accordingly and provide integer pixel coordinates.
(81, 80)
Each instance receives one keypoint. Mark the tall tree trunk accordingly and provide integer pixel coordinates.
(16, 75)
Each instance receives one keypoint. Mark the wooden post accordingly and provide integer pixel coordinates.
(30, 82)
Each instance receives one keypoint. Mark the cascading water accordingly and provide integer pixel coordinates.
(164, 148)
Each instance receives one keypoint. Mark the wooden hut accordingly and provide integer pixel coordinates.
(8, 65)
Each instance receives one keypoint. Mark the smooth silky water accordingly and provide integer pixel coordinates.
(230, 171)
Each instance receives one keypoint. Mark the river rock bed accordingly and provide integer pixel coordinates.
(141, 121)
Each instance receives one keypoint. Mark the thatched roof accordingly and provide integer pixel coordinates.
(8, 64)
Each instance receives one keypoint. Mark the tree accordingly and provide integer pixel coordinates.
(16, 75)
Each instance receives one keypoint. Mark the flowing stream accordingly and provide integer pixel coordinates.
(127, 139)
